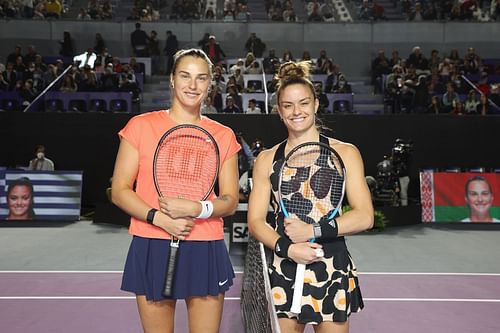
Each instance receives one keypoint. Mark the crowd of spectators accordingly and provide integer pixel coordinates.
(28, 74)
(229, 83)
(434, 10)
(448, 84)
(96, 10)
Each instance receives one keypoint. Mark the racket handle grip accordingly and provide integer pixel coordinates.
(298, 288)
(169, 276)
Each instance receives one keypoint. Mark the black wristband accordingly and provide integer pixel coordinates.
(151, 215)
(329, 230)
(281, 247)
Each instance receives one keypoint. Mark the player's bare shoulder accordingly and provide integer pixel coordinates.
(347, 151)
(264, 160)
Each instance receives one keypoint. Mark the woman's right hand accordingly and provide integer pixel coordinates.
(179, 228)
(305, 253)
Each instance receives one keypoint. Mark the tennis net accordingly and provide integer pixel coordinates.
(257, 306)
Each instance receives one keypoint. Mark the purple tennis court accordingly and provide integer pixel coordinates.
(36, 301)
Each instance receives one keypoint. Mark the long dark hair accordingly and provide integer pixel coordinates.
(23, 181)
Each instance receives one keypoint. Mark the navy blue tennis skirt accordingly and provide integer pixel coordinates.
(203, 268)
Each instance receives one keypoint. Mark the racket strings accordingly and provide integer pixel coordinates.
(186, 166)
(312, 184)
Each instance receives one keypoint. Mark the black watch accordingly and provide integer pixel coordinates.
(317, 230)
(151, 215)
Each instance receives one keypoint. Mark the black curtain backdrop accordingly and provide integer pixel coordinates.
(89, 142)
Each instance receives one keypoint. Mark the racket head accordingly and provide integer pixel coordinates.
(312, 182)
(186, 163)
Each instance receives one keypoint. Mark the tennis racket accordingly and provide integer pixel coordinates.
(185, 165)
(311, 188)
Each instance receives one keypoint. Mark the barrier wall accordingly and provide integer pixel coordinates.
(351, 45)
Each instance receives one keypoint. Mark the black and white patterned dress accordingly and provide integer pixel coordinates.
(331, 290)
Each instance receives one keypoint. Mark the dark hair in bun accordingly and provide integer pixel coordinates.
(293, 73)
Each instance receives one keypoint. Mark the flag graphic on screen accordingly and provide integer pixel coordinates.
(444, 197)
(56, 195)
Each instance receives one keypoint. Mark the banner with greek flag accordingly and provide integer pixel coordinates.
(56, 194)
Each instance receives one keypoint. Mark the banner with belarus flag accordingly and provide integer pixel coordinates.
(443, 196)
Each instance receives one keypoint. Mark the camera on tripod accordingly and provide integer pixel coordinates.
(385, 186)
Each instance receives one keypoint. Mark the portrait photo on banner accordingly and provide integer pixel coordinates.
(40, 195)
(465, 197)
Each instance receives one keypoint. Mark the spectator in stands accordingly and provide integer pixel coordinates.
(106, 11)
(218, 80)
(495, 9)
(471, 103)
(208, 106)
(154, 51)
(20, 200)
(287, 56)
(435, 106)
(342, 86)
(418, 61)
(483, 84)
(4, 85)
(366, 11)
(495, 95)
(13, 56)
(252, 107)
(421, 97)
(129, 84)
(321, 96)
(27, 92)
(417, 14)
(254, 68)
(229, 16)
(41, 162)
(88, 81)
(69, 84)
(53, 8)
(171, 46)
(232, 91)
(109, 81)
(28, 9)
(83, 15)
(67, 49)
(380, 67)
(238, 79)
(455, 59)
(269, 62)
(10, 76)
(30, 56)
(289, 14)
(249, 59)
(434, 60)
(19, 66)
(320, 61)
(242, 13)
(117, 65)
(472, 62)
(139, 41)
(313, 11)
(255, 45)
(483, 108)
(86, 59)
(214, 50)
(231, 106)
(450, 98)
(445, 68)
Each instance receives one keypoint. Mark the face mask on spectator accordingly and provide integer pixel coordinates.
(40, 155)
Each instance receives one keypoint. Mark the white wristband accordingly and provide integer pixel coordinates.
(207, 208)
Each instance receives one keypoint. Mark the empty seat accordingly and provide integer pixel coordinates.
(118, 105)
(10, 104)
(255, 86)
(77, 105)
(97, 105)
(342, 105)
(54, 105)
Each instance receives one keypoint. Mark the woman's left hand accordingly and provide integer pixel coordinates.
(179, 208)
(298, 231)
